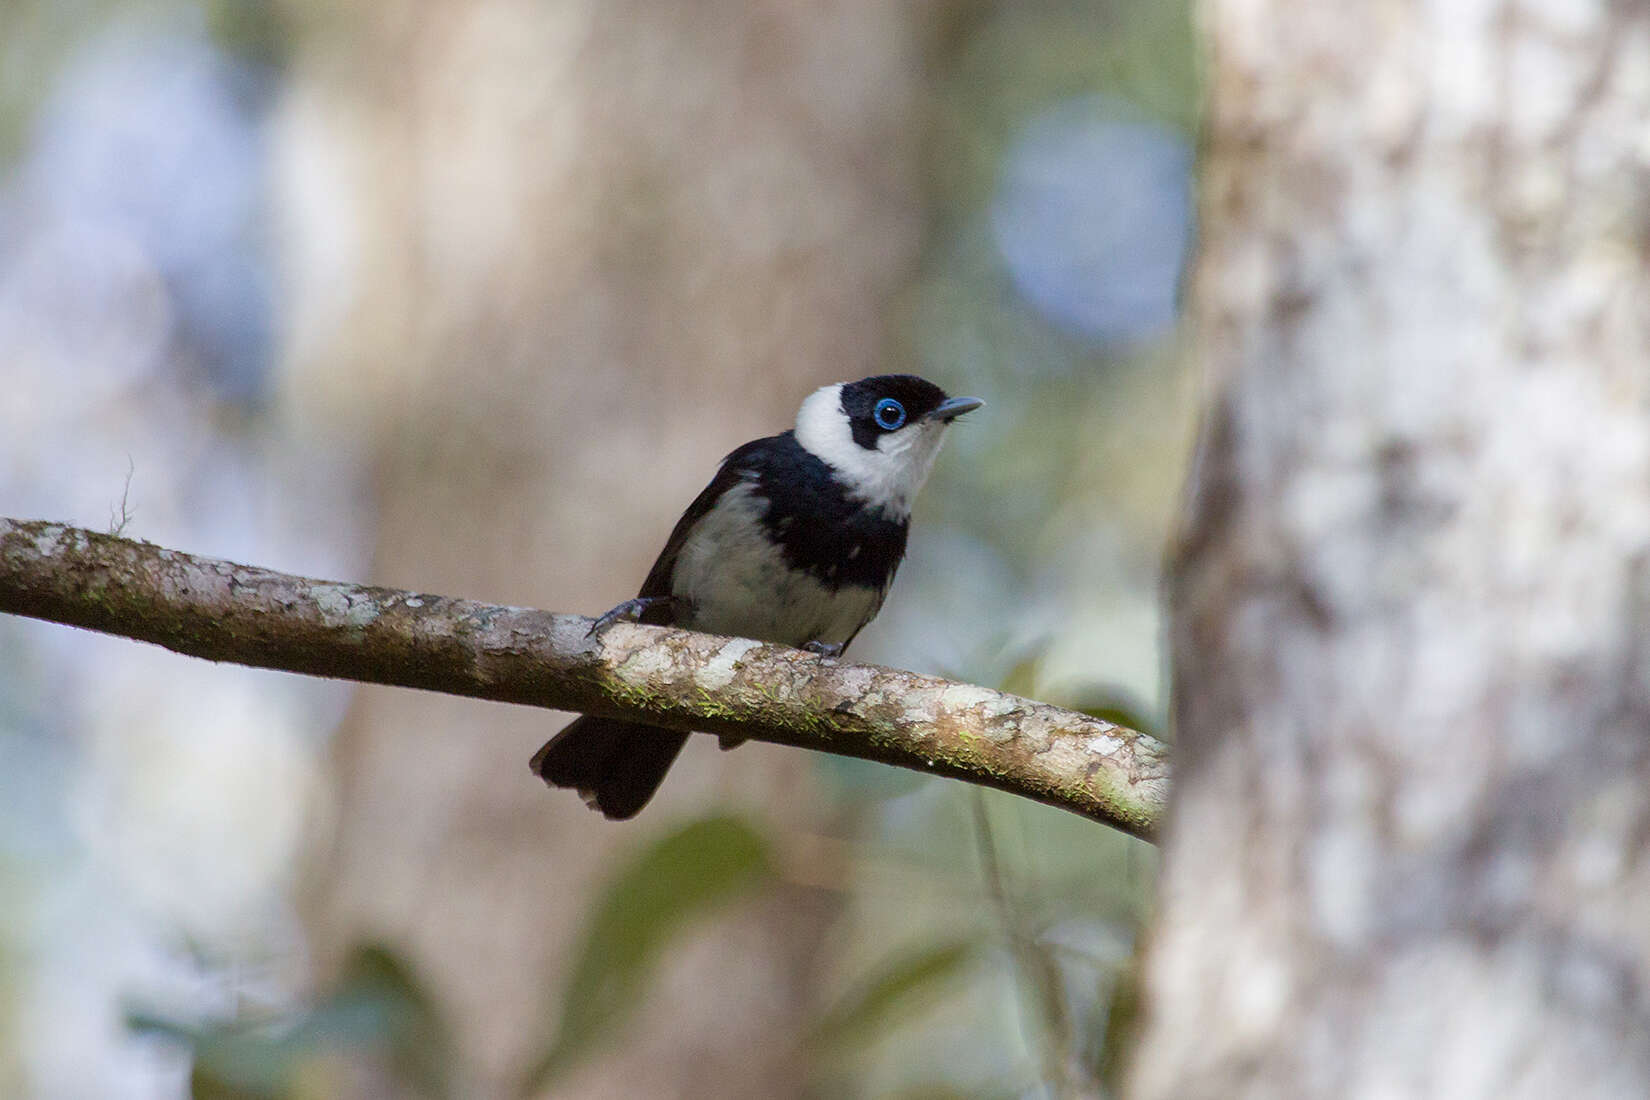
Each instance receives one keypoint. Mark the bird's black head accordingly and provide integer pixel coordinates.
(886, 403)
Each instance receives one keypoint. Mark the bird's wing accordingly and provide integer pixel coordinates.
(738, 466)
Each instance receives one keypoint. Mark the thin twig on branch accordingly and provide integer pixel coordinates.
(221, 611)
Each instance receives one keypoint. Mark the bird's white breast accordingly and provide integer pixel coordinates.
(739, 583)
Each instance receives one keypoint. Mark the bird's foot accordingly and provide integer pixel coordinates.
(629, 611)
(826, 651)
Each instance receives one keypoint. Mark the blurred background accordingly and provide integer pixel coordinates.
(470, 297)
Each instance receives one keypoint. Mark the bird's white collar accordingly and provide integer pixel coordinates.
(887, 477)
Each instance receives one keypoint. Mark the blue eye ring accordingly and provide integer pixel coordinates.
(889, 414)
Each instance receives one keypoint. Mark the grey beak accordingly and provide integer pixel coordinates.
(953, 407)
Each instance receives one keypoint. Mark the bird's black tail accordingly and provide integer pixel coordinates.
(615, 766)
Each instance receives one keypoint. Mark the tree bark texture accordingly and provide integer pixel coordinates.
(1408, 850)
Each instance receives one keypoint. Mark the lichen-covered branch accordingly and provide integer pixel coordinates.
(678, 678)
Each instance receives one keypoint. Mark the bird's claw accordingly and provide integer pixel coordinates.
(629, 611)
(826, 651)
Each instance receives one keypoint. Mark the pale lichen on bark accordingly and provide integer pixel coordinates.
(226, 612)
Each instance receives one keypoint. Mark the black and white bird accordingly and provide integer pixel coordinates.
(794, 541)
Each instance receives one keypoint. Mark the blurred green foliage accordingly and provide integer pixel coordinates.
(887, 993)
(378, 1008)
(675, 881)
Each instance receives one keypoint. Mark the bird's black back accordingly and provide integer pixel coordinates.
(818, 526)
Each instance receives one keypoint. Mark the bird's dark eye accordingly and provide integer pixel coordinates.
(889, 414)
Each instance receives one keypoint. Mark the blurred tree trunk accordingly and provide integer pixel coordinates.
(1409, 847)
(551, 261)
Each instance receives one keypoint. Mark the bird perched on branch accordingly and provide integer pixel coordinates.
(794, 541)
